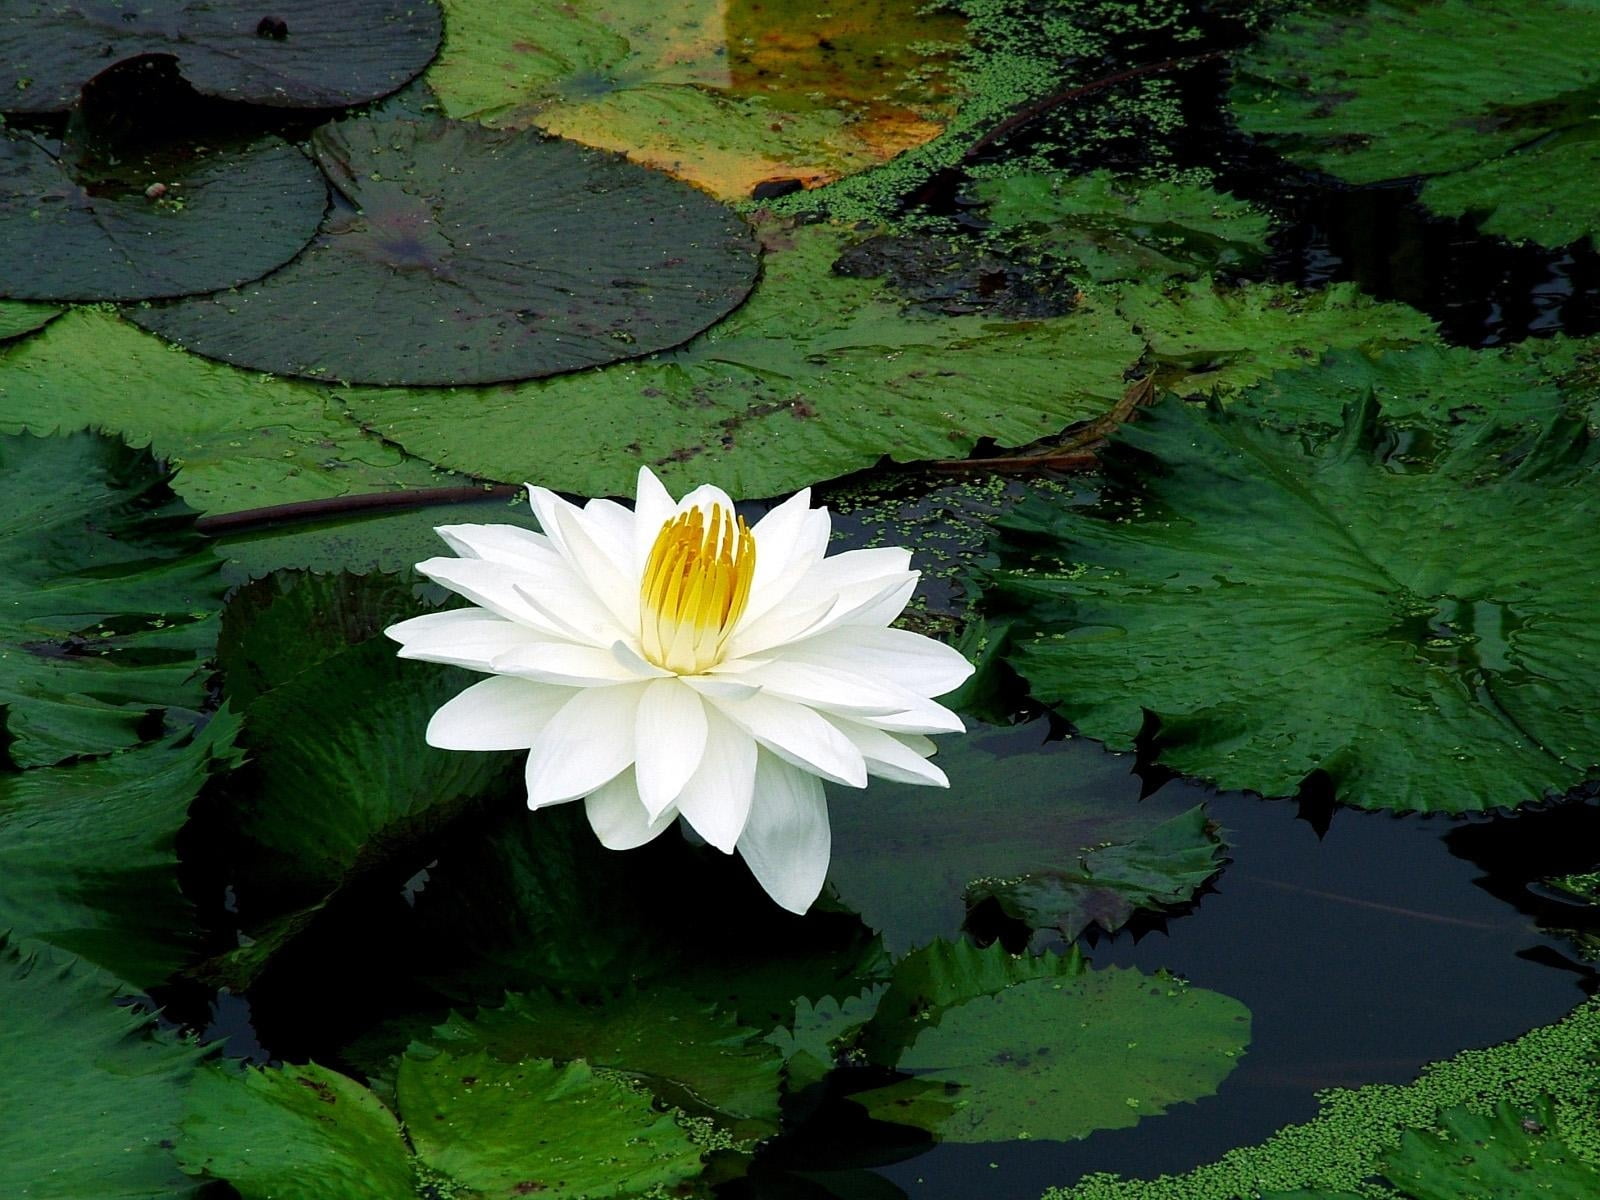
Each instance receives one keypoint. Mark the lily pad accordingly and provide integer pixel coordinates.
(1231, 564)
(88, 860)
(447, 274)
(238, 440)
(301, 54)
(1211, 340)
(1431, 392)
(1161, 868)
(1061, 1058)
(1111, 228)
(728, 95)
(1509, 1155)
(92, 1091)
(480, 1127)
(73, 227)
(110, 597)
(1017, 806)
(18, 319)
(814, 377)
(1489, 101)
(680, 1048)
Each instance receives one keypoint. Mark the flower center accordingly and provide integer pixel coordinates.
(695, 586)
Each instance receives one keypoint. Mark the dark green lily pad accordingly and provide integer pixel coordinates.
(817, 376)
(88, 857)
(1060, 1058)
(152, 225)
(92, 1091)
(479, 1126)
(1110, 228)
(477, 256)
(690, 1055)
(238, 440)
(287, 54)
(1158, 869)
(1231, 564)
(109, 597)
(1490, 102)
(1017, 806)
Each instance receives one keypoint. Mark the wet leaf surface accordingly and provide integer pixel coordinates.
(18, 319)
(75, 227)
(1489, 103)
(301, 54)
(238, 440)
(447, 274)
(110, 597)
(729, 96)
(817, 375)
(1248, 563)
(92, 1092)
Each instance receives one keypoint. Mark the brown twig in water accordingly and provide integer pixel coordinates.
(1078, 452)
(340, 506)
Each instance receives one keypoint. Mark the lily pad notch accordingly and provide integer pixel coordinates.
(477, 256)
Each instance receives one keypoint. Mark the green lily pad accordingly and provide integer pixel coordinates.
(1489, 101)
(727, 95)
(18, 318)
(109, 597)
(814, 377)
(904, 856)
(92, 1092)
(1158, 869)
(1509, 1155)
(87, 852)
(1111, 228)
(238, 440)
(476, 256)
(301, 54)
(74, 228)
(1061, 1058)
(1355, 1130)
(679, 1047)
(1211, 340)
(334, 792)
(1284, 608)
(1428, 391)
(479, 1126)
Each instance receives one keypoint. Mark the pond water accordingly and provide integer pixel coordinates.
(1228, 367)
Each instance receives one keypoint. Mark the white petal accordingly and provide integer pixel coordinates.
(706, 496)
(488, 584)
(497, 713)
(790, 539)
(716, 799)
(635, 662)
(462, 637)
(671, 732)
(798, 736)
(611, 526)
(587, 744)
(901, 759)
(787, 624)
(566, 663)
(653, 507)
(720, 687)
(926, 716)
(508, 544)
(786, 841)
(618, 817)
(616, 590)
(918, 664)
(828, 689)
(868, 569)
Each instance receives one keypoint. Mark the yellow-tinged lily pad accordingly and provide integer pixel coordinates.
(728, 94)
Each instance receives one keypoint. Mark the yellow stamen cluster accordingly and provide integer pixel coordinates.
(695, 586)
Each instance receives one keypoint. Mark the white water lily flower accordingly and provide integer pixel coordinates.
(673, 662)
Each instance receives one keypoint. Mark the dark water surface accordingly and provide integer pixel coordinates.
(1363, 953)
